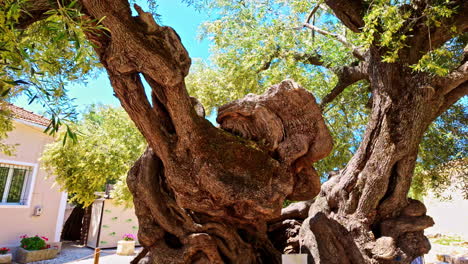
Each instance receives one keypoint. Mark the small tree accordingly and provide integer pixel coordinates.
(108, 144)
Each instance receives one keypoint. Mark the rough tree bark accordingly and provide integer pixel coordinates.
(214, 195)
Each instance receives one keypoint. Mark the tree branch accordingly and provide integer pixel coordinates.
(446, 84)
(266, 65)
(453, 96)
(424, 39)
(130, 91)
(312, 59)
(347, 76)
(356, 51)
(34, 11)
(307, 58)
(349, 12)
(140, 45)
(311, 14)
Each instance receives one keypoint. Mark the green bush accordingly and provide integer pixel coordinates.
(33, 243)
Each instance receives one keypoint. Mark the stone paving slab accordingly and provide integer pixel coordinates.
(72, 253)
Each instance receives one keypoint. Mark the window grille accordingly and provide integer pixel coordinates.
(14, 183)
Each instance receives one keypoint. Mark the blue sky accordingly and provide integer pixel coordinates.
(184, 19)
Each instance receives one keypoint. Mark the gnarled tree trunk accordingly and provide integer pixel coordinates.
(204, 195)
(232, 186)
(363, 214)
(201, 194)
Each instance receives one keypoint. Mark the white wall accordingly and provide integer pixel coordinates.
(450, 217)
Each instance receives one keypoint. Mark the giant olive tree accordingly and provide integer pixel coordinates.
(206, 195)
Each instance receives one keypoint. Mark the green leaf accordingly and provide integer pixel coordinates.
(31, 100)
(5, 93)
(72, 4)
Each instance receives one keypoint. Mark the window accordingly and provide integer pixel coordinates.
(14, 183)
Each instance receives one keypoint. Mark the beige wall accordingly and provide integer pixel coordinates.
(18, 220)
(111, 224)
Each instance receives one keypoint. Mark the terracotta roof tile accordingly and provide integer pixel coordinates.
(23, 114)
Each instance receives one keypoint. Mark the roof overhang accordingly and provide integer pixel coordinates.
(28, 123)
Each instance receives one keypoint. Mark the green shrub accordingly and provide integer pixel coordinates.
(33, 243)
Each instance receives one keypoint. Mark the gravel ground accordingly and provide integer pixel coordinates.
(72, 253)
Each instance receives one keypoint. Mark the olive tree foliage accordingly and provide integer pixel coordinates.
(42, 58)
(39, 60)
(108, 144)
(443, 180)
(258, 43)
(255, 44)
(5, 126)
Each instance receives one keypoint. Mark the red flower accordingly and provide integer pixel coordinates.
(4, 250)
(48, 246)
(45, 238)
(24, 246)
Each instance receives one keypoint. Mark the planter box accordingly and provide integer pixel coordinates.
(125, 248)
(26, 256)
(5, 258)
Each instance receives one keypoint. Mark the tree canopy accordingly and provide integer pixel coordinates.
(108, 144)
(258, 43)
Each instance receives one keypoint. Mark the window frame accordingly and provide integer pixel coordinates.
(29, 189)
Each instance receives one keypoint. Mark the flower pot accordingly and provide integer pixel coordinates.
(294, 259)
(26, 256)
(5, 258)
(125, 248)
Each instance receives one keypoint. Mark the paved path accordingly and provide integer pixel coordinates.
(72, 253)
(437, 249)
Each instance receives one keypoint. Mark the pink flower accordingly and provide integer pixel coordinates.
(129, 237)
(24, 236)
(45, 238)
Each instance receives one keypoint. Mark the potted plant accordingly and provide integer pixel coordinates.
(126, 246)
(35, 249)
(5, 257)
